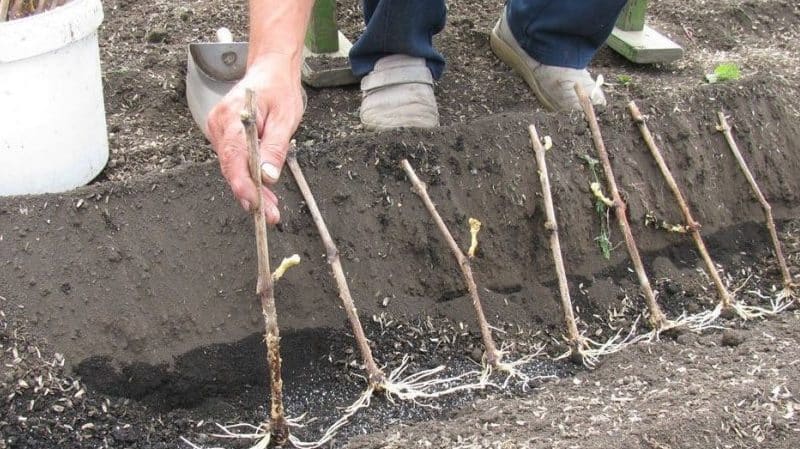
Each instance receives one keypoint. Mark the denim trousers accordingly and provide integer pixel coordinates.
(564, 33)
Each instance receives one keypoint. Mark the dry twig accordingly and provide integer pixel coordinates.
(493, 356)
(657, 319)
(279, 428)
(723, 127)
(551, 226)
(692, 225)
(375, 375)
(702, 320)
(582, 349)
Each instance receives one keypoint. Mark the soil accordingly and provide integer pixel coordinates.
(128, 312)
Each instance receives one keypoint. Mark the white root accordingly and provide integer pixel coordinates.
(262, 432)
(414, 388)
(589, 351)
(513, 370)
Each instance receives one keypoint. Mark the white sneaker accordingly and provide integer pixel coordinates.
(553, 86)
(398, 92)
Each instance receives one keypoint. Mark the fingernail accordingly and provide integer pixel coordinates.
(245, 204)
(273, 210)
(270, 171)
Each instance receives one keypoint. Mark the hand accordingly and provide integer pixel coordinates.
(275, 80)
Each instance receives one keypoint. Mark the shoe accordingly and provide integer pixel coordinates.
(552, 85)
(398, 93)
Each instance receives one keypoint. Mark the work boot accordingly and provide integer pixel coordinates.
(398, 92)
(552, 85)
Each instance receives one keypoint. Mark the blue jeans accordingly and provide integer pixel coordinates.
(564, 33)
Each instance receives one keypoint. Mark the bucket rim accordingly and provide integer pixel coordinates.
(48, 31)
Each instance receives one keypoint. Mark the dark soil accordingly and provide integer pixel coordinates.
(696, 392)
(147, 243)
(128, 313)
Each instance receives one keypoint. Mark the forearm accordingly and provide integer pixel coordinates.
(278, 27)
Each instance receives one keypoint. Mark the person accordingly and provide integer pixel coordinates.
(549, 43)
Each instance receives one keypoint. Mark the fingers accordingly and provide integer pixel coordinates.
(234, 164)
(271, 210)
(278, 130)
(233, 157)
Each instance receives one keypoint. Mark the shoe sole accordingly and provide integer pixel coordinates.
(508, 55)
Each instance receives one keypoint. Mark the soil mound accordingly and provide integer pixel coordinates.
(153, 268)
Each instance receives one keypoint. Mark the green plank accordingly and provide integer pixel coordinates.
(633, 16)
(323, 33)
(644, 47)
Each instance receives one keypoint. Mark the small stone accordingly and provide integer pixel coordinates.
(687, 338)
(124, 434)
(114, 255)
(476, 355)
(157, 36)
(732, 338)
(58, 408)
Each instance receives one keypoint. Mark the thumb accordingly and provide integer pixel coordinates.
(275, 139)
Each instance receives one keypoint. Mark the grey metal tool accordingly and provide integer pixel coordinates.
(213, 68)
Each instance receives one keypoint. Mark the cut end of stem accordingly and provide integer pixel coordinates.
(598, 193)
(288, 262)
(474, 228)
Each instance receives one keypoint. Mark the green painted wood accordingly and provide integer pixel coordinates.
(644, 47)
(633, 16)
(323, 33)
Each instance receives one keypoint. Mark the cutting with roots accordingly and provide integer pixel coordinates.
(500, 366)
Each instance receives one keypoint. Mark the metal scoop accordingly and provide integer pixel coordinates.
(213, 69)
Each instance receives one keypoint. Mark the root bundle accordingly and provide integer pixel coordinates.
(424, 385)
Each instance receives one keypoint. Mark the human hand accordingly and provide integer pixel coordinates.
(275, 80)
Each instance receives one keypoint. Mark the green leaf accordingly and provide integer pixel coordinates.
(605, 245)
(724, 72)
(624, 80)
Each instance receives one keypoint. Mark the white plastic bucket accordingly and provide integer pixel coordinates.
(52, 119)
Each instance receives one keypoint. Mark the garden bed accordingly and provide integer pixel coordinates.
(143, 281)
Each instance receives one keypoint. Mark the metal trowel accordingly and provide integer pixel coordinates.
(213, 69)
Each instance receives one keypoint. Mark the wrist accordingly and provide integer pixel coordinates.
(272, 64)
(278, 27)
(283, 57)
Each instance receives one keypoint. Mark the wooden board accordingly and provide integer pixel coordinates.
(644, 47)
(329, 69)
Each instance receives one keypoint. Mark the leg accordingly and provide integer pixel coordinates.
(550, 42)
(397, 62)
(563, 33)
(402, 27)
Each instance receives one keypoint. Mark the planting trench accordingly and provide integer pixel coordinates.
(147, 286)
